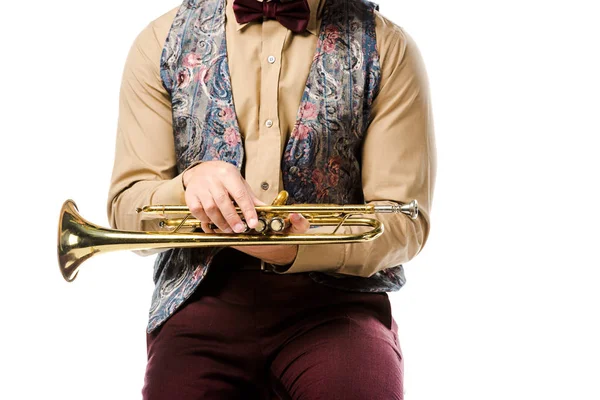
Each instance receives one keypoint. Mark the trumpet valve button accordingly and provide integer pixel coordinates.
(261, 225)
(277, 224)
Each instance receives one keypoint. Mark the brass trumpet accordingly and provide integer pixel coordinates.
(79, 240)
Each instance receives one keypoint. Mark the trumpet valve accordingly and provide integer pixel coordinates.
(278, 224)
(261, 226)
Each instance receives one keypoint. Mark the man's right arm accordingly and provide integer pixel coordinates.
(145, 165)
(145, 168)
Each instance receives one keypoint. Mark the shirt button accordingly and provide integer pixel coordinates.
(271, 59)
(264, 186)
(269, 123)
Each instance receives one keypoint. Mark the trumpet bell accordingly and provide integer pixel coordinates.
(74, 245)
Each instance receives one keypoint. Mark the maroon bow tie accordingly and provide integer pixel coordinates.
(294, 15)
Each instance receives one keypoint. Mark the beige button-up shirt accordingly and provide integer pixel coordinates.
(269, 66)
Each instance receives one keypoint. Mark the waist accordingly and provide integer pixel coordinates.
(233, 259)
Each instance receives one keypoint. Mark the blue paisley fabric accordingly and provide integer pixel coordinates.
(321, 162)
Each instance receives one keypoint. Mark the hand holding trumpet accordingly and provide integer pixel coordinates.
(213, 188)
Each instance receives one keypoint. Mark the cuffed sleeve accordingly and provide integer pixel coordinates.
(320, 257)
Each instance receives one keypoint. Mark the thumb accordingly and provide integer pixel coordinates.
(299, 223)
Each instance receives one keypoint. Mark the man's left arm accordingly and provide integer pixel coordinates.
(398, 165)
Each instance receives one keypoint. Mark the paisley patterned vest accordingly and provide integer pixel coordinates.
(321, 162)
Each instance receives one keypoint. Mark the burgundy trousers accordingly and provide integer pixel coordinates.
(247, 334)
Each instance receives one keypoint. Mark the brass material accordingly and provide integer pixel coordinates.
(79, 240)
(281, 199)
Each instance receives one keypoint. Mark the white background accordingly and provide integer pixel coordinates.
(502, 303)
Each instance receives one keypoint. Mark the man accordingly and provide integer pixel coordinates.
(229, 102)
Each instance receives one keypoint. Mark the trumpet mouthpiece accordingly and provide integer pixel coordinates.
(411, 209)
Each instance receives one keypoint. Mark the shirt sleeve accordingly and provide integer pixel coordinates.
(145, 169)
(398, 165)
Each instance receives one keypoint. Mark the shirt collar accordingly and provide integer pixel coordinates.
(314, 23)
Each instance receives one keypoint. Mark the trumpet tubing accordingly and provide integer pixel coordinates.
(79, 239)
